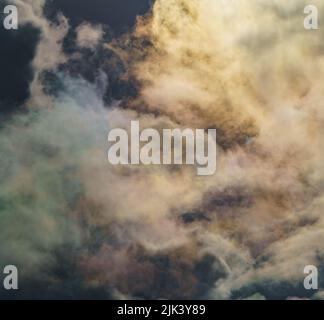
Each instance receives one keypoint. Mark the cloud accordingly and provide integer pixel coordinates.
(199, 64)
(222, 65)
(88, 36)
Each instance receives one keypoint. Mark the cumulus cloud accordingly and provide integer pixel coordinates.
(88, 36)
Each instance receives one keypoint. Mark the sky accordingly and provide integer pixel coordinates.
(120, 15)
(77, 227)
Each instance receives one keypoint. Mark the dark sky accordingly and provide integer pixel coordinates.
(16, 53)
(17, 50)
(118, 14)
